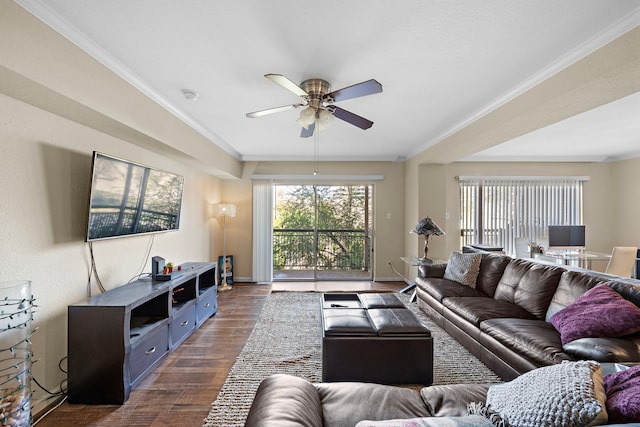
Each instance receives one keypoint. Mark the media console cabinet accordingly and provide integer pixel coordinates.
(115, 339)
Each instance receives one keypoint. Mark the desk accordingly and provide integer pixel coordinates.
(581, 258)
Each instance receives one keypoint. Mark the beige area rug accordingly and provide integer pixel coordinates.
(287, 340)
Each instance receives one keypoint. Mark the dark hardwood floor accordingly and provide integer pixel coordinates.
(180, 391)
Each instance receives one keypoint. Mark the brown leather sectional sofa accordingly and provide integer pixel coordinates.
(504, 321)
(289, 401)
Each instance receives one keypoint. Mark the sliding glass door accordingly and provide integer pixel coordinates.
(322, 232)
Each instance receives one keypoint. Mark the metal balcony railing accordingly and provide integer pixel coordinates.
(295, 249)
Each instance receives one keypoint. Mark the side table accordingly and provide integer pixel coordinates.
(413, 261)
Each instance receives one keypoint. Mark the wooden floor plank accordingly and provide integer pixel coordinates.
(189, 379)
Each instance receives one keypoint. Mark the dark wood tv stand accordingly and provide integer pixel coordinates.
(115, 339)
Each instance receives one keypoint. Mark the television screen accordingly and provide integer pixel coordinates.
(130, 199)
(567, 236)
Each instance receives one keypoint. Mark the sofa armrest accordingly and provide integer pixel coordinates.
(432, 270)
(451, 400)
(285, 401)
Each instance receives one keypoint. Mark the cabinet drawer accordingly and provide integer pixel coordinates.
(183, 324)
(207, 305)
(147, 351)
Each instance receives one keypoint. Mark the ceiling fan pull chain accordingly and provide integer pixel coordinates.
(316, 151)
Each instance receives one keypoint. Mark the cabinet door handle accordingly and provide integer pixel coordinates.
(185, 323)
(150, 351)
(207, 305)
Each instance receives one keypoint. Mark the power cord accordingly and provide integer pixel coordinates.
(94, 271)
(144, 261)
(62, 393)
(397, 272)
(64, 399)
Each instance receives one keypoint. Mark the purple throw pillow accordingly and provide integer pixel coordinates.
(599, 312)
(623, 395)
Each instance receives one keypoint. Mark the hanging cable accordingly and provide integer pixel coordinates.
(316, 147)
(144, 261)
(94, 270)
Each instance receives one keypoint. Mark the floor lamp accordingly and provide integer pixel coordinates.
(224, 210)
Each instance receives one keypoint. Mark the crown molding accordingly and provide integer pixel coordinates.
(52, 19)
(588, 47)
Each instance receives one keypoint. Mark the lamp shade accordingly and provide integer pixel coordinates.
(427, 227)
(324, 119)
(307, 117)
(227, 210)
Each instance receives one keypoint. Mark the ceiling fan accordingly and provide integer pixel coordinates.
(319, 102)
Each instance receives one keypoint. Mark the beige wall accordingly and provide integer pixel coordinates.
(625, 177)
(45, 175)
(610, 210)
(58, 105)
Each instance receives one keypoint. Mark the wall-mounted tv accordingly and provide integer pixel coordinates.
(567, 236)
(131, 199)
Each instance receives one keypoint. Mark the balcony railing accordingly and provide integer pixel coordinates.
(295, 249)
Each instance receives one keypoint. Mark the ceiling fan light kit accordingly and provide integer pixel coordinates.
(319, 103)
(307, 117)
(325, 117)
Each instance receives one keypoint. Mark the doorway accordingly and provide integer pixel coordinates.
(322, 232)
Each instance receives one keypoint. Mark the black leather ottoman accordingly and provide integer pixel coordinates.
(374, 338)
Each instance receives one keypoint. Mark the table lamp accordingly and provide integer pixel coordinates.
(426, 227)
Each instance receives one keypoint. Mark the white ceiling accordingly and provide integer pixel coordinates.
(441, 64)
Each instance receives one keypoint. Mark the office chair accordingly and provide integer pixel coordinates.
(622, 261)
(522, 247)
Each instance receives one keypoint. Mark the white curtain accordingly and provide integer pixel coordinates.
(262, 231)
(500, 212)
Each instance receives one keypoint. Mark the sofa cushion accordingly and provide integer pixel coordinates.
(463, 268)
(432, 270)
(298, 403)
(529, 285)
(451, 400)
(479, 309)
(443, 288)
(572, 285)
(567, 394)
(629, 291)
(613, 350)
(347, 403)
(535, 339)
(599, 312)
(491, 270)
(623, 395)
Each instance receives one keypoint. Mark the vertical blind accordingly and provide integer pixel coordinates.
(500, 211)
(262, 231)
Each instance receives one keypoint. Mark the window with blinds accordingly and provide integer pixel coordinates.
(506, 211)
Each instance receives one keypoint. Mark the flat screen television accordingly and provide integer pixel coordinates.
(131, 199)
(567, 236)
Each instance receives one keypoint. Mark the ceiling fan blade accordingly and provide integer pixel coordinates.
(287, 84)
(360, 89)
(273, 110)
(349, 117)
(307, 132)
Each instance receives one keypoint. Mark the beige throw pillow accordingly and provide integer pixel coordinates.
(463, 268)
